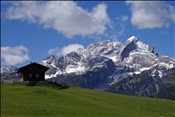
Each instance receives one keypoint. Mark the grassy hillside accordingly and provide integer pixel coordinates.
(45, 100)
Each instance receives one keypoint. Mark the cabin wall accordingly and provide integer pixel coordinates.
(34, 76)
(34, 73)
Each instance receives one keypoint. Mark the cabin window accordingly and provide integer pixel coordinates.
(37, 75)
(30, 68)
(30, 75)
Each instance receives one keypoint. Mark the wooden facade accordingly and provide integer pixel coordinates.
(33, 72)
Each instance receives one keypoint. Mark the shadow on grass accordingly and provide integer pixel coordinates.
(53, 85)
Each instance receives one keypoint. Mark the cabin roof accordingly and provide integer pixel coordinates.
(21, 69)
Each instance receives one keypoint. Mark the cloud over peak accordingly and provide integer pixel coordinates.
(65, 17)
(65, 50)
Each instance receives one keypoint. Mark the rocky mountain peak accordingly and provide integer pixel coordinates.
(9, 69)
(49, 60)
(132, 39)
(134, 45)
(52, 57)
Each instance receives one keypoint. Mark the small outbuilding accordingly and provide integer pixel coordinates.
(33, 72)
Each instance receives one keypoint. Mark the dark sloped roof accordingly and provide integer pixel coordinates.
(21, 69)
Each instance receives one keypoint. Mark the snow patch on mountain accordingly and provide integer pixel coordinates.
(132, 39)
(9, 69)
(111, 56)
(75, 69)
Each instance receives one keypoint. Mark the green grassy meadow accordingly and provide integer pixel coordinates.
(48, 100)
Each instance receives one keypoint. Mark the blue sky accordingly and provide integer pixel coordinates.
(32, 31)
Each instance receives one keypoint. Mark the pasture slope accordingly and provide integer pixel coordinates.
(48, 100)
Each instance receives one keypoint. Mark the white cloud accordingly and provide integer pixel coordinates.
(65, 50)
(14, 55)
(122, 22)
(70, 48)
(53, 51)
(124, 18)
(151, 14)
(65, 17)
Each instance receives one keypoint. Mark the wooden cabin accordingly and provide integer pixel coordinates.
(33, 72)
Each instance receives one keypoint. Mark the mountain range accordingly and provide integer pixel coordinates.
(131, 68)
